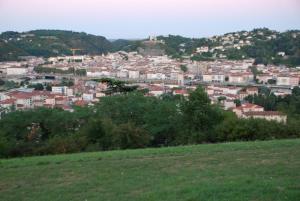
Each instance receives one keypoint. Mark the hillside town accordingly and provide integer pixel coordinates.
(69, 81)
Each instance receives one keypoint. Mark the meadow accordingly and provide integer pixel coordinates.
(239, 171)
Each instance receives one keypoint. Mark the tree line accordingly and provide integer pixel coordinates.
(131, 120)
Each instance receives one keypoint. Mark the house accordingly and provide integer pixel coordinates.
(98, 72)
(59, 89)
(156, 90)
(202, 49)
(231, 90)
(247, 107)
(122, 73)
(88, 97)
(207, 77)
(248, 91)
(49, 102)
(80, 103)
(17, 71)
(287, 80)
(264, 78)
(61, 100)
(100, 94)
(252, 90)
(227, 104)
(242, 95)
(156, 76)
(244, 77)
(213, 77)
(6, 106)
(133, 74)
(182, 92)
(249, 110)
(23, 99)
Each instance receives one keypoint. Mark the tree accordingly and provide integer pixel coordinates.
(271, 81)
(237, 102)
(80, 72)
(221, 98)
(126, 107)
(128, 136)
(165, 126)
(296, 91)
(116, 86)
(199, 116)
(183, 68)
(66, 82)
(2, 82)
(98, 132)
(38, 87)
(48, 87)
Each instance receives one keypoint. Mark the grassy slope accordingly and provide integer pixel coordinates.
(234, 171)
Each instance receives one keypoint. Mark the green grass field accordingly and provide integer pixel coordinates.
(256, 171)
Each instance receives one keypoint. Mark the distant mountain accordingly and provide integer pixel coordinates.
(50, 43)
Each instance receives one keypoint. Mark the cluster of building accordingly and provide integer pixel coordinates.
(235, 40)
(237, 72)
(15, 68)
(226, 82)
(124, 66)
(240, 72)
(228, 95)
(281, 76)
(59, 97)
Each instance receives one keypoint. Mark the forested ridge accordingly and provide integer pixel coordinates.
(264, 45)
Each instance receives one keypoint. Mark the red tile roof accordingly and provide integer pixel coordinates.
(80, 103)
(8, 101)
(248, 105)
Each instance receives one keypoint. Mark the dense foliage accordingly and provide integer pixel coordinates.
(131, 120)
(50, 43)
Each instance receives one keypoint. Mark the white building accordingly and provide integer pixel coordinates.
(156, 76)
(217, 77)
(287, 80)
(122, 74)
(62, 90)
(133, 74)
(240, 77)
(202, 49)
(94, 73)
(88, 97)
(17, 71)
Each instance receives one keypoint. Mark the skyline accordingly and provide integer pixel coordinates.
(138, 19)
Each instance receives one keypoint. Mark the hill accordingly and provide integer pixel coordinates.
(50, 43)
(243, 171)
(264, 45)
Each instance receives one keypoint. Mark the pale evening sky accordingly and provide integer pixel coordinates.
(140, 18)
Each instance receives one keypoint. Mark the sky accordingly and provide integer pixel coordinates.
(133, 19)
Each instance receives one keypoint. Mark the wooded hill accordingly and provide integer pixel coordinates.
(50, 43)
(263, 45)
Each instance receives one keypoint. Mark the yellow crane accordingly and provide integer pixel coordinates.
(74, 50)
